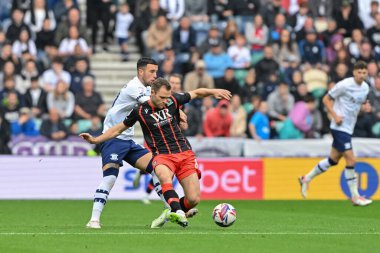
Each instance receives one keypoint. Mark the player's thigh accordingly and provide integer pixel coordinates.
(113, 152)
(143, 162)
(164, 173)
(349, 157)
(335, 155)
(138, 156)
(191, 187)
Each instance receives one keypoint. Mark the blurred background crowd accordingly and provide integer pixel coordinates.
(277, 57)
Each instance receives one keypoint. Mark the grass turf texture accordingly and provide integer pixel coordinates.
(261, 226)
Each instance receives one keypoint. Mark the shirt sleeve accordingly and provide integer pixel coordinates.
(131, 119)
(182, 98)
(336, 91)
(137, 93)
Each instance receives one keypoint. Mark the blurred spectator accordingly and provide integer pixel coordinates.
(356, 40)
(77, 55)
(230, 32)
(24, 44)
(257, 34)
(124, 20)
(144, 21)
(286, 50)
(88, 102)
(25, 124)
(297, 20)
(347, 19)
(68, 44)
(280, 102)
(239, 117)
(73, 19)
(62, 99)
(249, 88)
(159, 36)
(9, 72)
(252, 108)
(174, 9)
(212, 39)
(81, 70)
(374, 99)
(321, 8)
(56, 73)
(267, 65)
(279, 25)
(364, 123)
(368, 9)
(217, 61)
(36, 98)
(342, 56)
(326, 35)
(23, 5)
(53, 127)
(194, 116)
(373, 35)
(5, 10)
(271, 10)
(196, 11)
(309, 26)
(228, 82)
(312, 50)
(366, 53)
(36, 15)
(218, 121)
(219, 11)
(62, 8)
(5, 135)
(373, 73)
(99, 10)
(198, 78)
(166, 69)
(17, 25)
(10, 106)
(243, 11)
(300, 92)
(28, 72)
(239, 53)
(184, 41)
(45, 37)
(336, 44)
(259, 127)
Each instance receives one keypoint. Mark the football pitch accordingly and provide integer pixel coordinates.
(261, 226)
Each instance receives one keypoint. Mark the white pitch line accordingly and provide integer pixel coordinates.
(188, 233)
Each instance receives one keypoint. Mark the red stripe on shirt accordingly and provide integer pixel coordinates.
(175, 137)
(150, 132)
(159, 128)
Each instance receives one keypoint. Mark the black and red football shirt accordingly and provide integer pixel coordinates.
(160, 126)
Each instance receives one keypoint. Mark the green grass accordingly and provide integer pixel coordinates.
(261, 226)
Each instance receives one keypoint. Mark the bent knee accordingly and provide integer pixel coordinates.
(193, 200)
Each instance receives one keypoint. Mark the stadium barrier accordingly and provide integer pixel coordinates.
(57, 177)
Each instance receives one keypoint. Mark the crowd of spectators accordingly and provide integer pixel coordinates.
(277, 57)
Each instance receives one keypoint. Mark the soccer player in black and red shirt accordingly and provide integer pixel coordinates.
(158, 118)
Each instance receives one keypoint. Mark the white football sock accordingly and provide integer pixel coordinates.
(321, 167)
(352, 182)
(101, 196)
(158, 189)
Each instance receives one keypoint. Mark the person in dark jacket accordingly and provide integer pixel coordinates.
(53, 127)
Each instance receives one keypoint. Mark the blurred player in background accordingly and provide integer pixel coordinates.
(158, 118)
(344, 102)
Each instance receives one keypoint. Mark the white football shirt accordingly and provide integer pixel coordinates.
(132, 93)
(348, 97)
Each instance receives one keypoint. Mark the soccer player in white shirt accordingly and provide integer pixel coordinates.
(123, 147)
(343, 102)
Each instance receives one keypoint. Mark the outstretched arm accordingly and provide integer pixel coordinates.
(217, 93)
(109, 134)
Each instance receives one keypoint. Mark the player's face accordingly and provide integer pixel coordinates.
(360, 75)
(149, 74)
(160, 98)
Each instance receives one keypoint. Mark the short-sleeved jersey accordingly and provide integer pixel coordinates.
(348, 97)
(132, 93)
(160, 126)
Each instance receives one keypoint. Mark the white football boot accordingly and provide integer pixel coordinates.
(160, 221)
(93, 224)
(361, 201)
(304, 186)
(178, 217)
(191, 213)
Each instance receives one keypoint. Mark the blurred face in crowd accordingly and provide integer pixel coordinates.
(73, 32)
(280, 20)
(311, 37)
(175, 83)
(357, 35)
(223, 110)
(229, 74)
(360, 75)
(7, 51)
(12, 100)
(9, 68)
(365, 49)
(154, 5)
(302, 89)
(57, 67)
(34, 84)
(167, 66)
(285, 36)
(263, 107)
(258, 21)
(207, 103)
(74, 16)
(148, 74)
(283, 89)
(217, 49)
(161, 22)
(30, 67)
(39, 4)
(240, 41)
(341, 70)
(235, 102)
(24, 36)
(331, 25)
(304, 9)
(185, 23)
(377, 83)
(17, 16)
(309, 23)
(377, 19)
(81, 66)
(268, 53)
(88, 85)
(213, 33)
(124, 8)
(297, 77)
(53, 115)
(61, 87)
(9, 84)
(372, 69)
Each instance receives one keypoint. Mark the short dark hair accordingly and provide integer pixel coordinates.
(142, 62)
(175, 75)
(160, 82)
(309, 99)
(360, 65)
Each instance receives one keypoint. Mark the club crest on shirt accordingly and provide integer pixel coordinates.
(113, 157)
(141, 90)
(146, 111)
(170, 101)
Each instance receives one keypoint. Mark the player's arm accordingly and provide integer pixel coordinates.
(328, 101)
(204, 92)
(109, 134)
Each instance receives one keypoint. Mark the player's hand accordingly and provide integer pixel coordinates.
(222, 94)
(88, 137)
(338, 120)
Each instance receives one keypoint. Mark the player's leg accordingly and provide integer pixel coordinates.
(191, 187)
(320, 168)
(349, 173)
(165, 175)
(148, 191)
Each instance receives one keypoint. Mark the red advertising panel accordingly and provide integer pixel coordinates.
(231, 178)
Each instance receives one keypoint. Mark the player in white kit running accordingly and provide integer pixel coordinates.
(343, 102)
